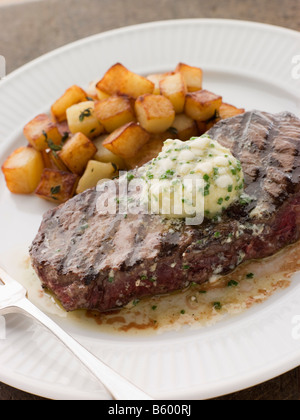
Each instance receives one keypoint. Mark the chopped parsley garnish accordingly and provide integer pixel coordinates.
(220, 201)
(86, 113)
(217, 306)
(168, 174)
(250, 276)
(173, 130)
(130, 177)
(55, 190)
(52, 146)
(244, 200)
(232, 283)
(65, 137)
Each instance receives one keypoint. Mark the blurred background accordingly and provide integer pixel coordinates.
(30, 28)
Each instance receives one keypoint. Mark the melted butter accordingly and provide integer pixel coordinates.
(170, 179)
(197, 306)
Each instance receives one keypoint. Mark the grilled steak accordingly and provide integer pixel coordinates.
(103, 262)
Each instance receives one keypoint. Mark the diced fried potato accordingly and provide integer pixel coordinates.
(57, 186)
(173, 87)
(155, 79)
(40, 131)
(148, 152)
(204, 126)
(23, 170)
(82, 119)
(193, 76)
(106, 156)
(127, 140)
(91, 90)
(118, 80)
(114, 112)
(46, 159)
(101, 95)
(95, 172)
(228, 111)
(225, 111)
(202, 105)
(155, 113)
(76, 153)
(95, 93)
(184, 127)
(56, 162)
(64, 130)
(72, 96)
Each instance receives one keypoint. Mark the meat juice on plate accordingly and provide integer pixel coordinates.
(195, 307)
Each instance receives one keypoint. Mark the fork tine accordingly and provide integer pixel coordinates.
(11, 291)
(5, 278)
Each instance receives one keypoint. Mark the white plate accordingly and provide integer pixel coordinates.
(252, 66)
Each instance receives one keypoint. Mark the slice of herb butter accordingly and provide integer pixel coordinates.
(180, 164)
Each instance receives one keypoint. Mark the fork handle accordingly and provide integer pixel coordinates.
(116, 385)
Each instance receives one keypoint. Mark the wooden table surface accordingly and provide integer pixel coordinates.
(30, 29)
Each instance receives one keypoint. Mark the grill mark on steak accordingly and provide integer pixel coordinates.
(102, 262)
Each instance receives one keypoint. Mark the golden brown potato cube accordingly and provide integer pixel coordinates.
(118, 80)
(76, 153)
(56, 162)
(228, 111)
(95, 172)
(91, 90)
(114, 112)
(174, 88)
(155, 79)
(64, 130)
(202, 105)
(94, 93)
(148, 152)
(23, 170)
(57, 186)
(52, 161)
(72, 96)
(40, 131)
(106, 156)
(82, 119)
(193, 76)
(127, 140)
(101, 95)
(155, 113)
(204, 126)
(184, 127)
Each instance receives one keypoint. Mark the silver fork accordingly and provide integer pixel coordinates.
(13, 299)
